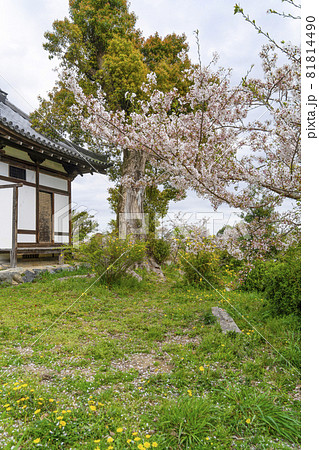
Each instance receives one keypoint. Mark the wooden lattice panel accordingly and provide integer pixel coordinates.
(45, 217)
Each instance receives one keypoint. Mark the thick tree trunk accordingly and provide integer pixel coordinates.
(131, 218)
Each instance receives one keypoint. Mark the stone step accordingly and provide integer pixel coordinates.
(225, 320)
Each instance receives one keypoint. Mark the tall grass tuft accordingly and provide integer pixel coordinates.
(186, 421)
(264, 413)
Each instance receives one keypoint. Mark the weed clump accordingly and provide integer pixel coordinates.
(110, 257)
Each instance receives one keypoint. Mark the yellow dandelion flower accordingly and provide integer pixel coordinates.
(201, 369)
(119, 430)
(135, 433)
(92, 408)
(62, 423)
(37, 411)
(51, 400)
(154, 444)
(137, 439)
(60, 418)
(36, 441)
(109, 440)
(148, 436)
(96, 441)
(247, 420)
(140, 447)
(147, 444)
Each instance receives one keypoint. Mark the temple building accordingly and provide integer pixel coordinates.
(35, 185)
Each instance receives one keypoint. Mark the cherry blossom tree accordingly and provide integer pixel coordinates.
(194, 137)
(274, 161)
(225, 142)
(200, 137)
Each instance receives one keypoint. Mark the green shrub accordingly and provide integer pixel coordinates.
(200, 266)
(280, 281)
(160, 249)
(226, 259)
(256, 279)
(283, 288)
(110, 257)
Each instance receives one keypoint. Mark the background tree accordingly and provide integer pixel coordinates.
(100, 43)
(83, 224)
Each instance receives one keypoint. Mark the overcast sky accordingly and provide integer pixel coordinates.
(26, 71)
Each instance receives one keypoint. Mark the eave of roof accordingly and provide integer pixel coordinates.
(15, 126)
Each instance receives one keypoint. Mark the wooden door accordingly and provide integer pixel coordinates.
(45, 217)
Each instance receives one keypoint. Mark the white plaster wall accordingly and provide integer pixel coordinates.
(27, 208)
(61, 215)
(5, 217)
(61, 239)
(30, 176)
(26, 238)
(4, 169)
(53, 182)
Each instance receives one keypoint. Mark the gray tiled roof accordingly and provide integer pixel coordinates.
(16, 120)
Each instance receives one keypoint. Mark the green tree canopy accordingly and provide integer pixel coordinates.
(100, 42)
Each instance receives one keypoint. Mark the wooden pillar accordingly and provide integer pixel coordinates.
(37, 203)
(70, 212)
(13, 253)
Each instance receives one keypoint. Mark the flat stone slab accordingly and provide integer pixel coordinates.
(19, 275)
(225, 320)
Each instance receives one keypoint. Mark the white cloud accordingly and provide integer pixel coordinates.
(26, 70)
(220, 30)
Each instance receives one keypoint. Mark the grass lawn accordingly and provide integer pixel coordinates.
(144, 365)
